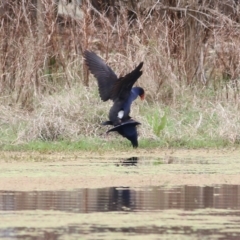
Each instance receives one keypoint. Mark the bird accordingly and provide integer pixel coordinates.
(128, 130)
(119, 90)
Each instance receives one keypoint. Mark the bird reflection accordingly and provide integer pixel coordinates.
(132, 161)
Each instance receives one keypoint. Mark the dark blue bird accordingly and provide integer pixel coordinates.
(120, 91)
(128, 130)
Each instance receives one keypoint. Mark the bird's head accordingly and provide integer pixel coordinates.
(134, 142)
(140, 91)
(132, 137)
(142, 96)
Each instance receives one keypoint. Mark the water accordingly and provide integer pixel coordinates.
(143, 198)
(124, 199)
(218, 206)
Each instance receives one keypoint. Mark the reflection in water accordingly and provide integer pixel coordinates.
(132, 161)
(132, 202)
(124, 199)
(136, 161)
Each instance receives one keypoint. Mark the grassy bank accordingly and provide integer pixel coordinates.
(48, 101)
(71, 120)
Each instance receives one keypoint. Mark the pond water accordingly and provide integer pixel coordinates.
(68, 200)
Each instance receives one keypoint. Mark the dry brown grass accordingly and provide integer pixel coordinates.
(191, 69)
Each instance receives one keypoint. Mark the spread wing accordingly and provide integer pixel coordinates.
(102, 72)
(122, 88)
(129, 122)
(128, 130)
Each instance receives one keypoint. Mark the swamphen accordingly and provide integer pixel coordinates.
(128, 130)
(121, 91)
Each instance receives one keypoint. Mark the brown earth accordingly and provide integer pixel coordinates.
(26, 171)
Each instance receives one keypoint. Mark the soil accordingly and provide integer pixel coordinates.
(27, 171)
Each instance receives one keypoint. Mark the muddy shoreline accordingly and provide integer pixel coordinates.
(30, 171)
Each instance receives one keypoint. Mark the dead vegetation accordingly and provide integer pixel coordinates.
(190, 49)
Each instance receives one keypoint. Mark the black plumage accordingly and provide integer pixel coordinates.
(128, 130)
(120, 91)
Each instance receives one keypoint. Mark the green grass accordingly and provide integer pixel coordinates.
(72, 119)
(100, 145)
(85, 144)
(157, 122)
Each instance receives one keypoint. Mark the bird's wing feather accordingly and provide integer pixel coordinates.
(105, 76)
(122, 87)
(128, 130)
(129, 122)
